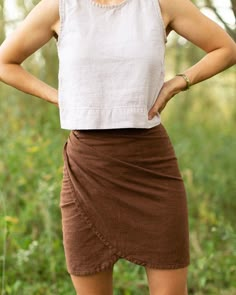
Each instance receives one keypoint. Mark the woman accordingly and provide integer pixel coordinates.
(111, 93)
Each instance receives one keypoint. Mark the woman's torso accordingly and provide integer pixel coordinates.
(111, 63)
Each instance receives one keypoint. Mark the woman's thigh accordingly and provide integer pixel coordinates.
(167, 281)
(100, 283)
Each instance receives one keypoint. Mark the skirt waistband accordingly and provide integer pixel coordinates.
(116, 131)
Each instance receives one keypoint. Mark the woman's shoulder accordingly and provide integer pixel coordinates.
(50, 10)
(177, 10)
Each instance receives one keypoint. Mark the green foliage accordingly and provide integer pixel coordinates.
(201, 125)
(202, 131)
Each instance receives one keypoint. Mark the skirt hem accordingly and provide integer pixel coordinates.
(144, 264)
(117, 252)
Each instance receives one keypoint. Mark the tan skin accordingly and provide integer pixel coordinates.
(42, 24)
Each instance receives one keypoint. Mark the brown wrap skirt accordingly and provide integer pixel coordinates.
(123, 196)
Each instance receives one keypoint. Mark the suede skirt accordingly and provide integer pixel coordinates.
(123, 197)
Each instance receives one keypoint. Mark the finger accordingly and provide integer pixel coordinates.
(162, 107)
(156, 109)
(153, 111)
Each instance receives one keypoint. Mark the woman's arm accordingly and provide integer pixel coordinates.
(187, 20)
(34, 31)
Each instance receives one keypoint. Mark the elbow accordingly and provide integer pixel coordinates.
(4, 70)
(226, 54)
(230, 54)
(7, 70)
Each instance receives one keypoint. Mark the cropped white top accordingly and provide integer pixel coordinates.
(111, 63)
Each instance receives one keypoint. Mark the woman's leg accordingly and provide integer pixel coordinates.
(100, 283)
(167, 281)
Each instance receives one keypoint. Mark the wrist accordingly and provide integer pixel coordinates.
(186, 79)
(176, 84)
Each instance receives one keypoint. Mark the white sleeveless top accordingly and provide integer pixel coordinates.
(111, 63)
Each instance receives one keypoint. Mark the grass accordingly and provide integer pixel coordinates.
(201, 127)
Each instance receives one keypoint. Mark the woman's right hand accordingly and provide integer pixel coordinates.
(54, 97)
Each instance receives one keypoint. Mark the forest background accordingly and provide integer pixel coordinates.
(201, 123)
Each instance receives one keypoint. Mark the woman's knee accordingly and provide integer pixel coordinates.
(168, 281)
(100, 283)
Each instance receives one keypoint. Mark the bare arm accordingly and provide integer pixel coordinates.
(33, 32)
(187, 20)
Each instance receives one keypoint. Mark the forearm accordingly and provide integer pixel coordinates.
(17, 77)
(211, 64)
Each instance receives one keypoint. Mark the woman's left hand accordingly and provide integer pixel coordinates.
(169, 89)
(189, 22)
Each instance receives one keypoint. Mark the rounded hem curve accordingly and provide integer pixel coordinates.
(117, 252)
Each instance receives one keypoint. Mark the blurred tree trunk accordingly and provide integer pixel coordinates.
(233, 3)
(210, 4)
